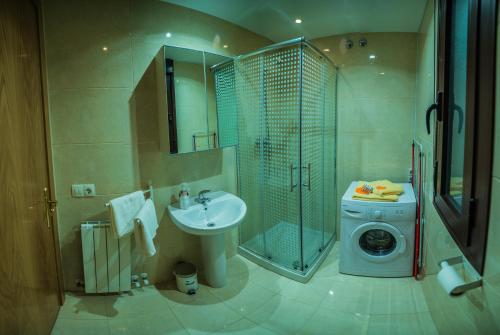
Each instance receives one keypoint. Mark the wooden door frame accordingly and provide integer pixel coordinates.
(48, 145)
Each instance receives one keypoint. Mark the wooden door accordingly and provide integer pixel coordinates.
(29, 267)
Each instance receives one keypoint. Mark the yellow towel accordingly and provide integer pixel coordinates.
(383, 187)
(375, 197)
(456, 186)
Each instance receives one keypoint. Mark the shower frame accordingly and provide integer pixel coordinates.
(302, 275)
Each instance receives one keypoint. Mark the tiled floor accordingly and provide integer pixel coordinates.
(257, 301)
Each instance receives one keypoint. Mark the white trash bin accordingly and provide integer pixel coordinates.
(186, 278)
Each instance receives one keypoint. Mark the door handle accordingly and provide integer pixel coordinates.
(428, 116)
(292, 185)
(50, 206)
(308, 167)
(437, 107)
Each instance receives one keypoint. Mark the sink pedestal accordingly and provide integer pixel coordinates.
(213, 248)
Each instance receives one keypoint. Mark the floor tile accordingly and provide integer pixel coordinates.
(137, 302)
(80, 327)
(245, 327)
(205, 313)
(79, 306)
(348, 296)
(409, 324)
(331, 322)
(392, 296)
(245, 298)
(310, 293)
(154, 323)
(269, 280)
(283, 315)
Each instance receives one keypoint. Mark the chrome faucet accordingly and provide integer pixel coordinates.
(202, 198)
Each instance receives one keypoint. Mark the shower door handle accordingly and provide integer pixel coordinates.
(308, 167)
(292, 185)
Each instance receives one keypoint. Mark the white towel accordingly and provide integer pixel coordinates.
(123, 210)
(146, 229)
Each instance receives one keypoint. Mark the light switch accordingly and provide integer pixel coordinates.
(77, 190)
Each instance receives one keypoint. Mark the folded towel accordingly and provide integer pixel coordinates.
(375, 197)
(383, 187)
(456, 186)
(122, 212)
(145, 231)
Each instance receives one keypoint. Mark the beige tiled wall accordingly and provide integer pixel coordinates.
(376, 104)
(93, 121)
(478, 311)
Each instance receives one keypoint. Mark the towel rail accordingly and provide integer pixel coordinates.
(149, 190)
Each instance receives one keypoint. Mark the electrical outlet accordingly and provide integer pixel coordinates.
(89, 190)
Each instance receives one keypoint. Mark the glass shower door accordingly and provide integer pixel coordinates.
(280, 156)
(312, 152)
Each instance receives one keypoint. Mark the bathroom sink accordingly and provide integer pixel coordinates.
(223, 212)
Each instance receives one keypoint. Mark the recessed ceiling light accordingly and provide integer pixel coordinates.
(225, 46)
(168, 35)
(297, 20)
(326, 50)
(372, 56)
(105, 48)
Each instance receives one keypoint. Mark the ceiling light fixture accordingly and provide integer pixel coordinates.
(297, 20)
(326, 50)
(168, 35)
(225, 46)
(372, 56)
(104, 48)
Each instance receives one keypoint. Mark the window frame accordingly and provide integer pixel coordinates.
(467, 226)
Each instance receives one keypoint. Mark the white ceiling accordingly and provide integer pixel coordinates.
(274, 19)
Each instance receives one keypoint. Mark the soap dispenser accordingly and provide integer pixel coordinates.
(184, 201)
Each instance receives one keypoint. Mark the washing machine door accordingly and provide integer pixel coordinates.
(378, 241)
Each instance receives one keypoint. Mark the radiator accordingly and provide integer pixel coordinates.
(106, 260)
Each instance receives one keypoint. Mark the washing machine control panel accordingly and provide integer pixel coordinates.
(374, 213)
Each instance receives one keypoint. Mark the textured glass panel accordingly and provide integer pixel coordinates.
(248, 79)
(227, 117)
(313, 126)
(280, 124)
(330, 153)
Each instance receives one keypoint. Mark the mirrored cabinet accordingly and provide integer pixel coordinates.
(187, 117)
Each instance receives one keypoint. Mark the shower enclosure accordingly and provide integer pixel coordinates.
(278, 106)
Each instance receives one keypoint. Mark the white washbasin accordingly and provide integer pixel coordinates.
(223, 212)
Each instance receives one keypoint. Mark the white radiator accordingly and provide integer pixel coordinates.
(106, 260)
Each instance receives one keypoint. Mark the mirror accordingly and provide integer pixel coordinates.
(187, 114)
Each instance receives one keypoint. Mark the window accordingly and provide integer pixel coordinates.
(464, 122)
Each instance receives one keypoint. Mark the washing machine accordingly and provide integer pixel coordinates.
(377, 238)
